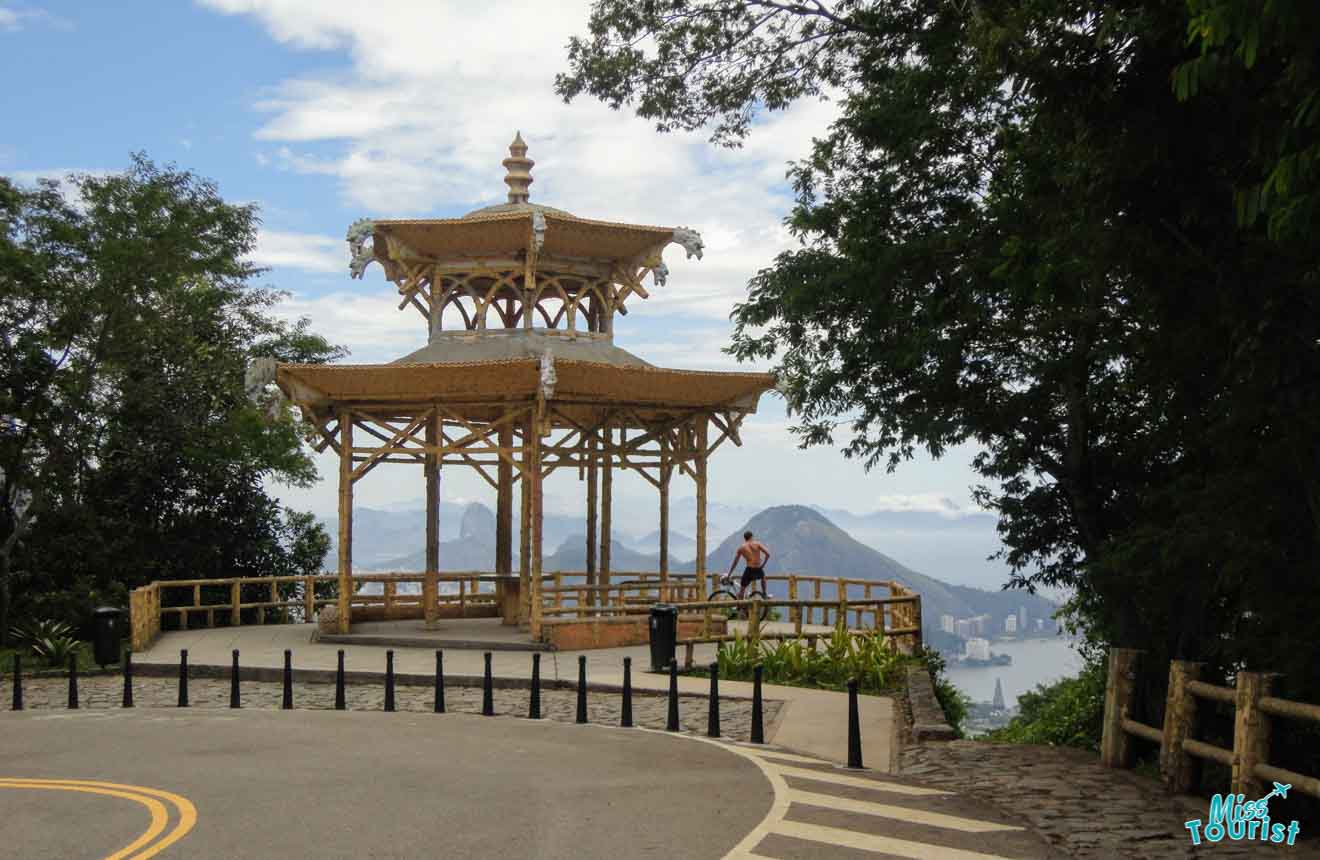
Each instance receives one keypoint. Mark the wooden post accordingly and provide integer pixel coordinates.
(525, 531)
(431, 473)
(1176, 766)
(1251, 732)
(606, 506)
(309, 599)
(1115, 745)
(537, 495)
(795, 612)
(592, 504)
(235, 601)
(664, 514)
(916, 616)
(702, 590)
(754, 625)
(345, 517)
(504, 504)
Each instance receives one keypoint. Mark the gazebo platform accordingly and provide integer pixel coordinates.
(459, 634)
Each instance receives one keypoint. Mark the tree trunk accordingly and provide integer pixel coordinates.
(4, 598)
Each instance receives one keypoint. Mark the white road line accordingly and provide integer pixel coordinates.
(878, 844)
(859, 782)
(900, 813)
(762, 752)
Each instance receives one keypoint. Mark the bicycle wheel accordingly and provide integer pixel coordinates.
(721, 595)
(757, 594)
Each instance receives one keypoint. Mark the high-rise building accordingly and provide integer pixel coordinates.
(1010, 624)
(946, 623)
(965, 628)
(978, 649)
(998, 702)
(1022, 619)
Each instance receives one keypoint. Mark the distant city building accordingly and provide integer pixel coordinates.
(1040, 624)
(1010, 624)
(978, 649)
(998, 701)
(965, 628)
(981, 624)
(946, 623)
(1022, 619)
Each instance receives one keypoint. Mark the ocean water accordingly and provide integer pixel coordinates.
(1035, 661)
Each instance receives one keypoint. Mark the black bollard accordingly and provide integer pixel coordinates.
(672, 724)
(287, 704)
(854, 728)
(389, 680)
(487, 692)
(713, 719)
(18, 683)
(627, 721)
(339, 683)
(233, 680)
(183, 678)
(128, 679)
(73, 681)
(439, 682)
(582, 690)
(534, 702)
(758, 730)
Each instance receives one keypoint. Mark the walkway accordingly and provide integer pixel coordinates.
(813, 722)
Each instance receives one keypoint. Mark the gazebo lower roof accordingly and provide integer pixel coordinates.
(325, 386)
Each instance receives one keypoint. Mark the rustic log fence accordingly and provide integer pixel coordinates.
(1254, 712)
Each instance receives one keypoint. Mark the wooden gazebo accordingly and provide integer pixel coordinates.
(520, 376)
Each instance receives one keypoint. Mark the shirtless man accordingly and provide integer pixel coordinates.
(754, 553)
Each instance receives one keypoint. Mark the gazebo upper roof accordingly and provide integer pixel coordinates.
(517, 228)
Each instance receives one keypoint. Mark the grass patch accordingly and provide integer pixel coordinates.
(34, 665)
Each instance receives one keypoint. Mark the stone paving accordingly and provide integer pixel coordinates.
(650, 711)
(1083, 809)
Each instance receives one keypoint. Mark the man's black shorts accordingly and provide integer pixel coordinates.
(752, 574)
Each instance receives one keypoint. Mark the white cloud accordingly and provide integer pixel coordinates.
(370, 324)
(16, 18)
(413, 127)
(306, 251)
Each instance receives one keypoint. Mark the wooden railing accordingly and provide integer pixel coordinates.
(1254, 710)
(906, 607)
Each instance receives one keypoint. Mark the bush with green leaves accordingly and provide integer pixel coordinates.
(52, 641)
(954, 702)
(868, 658)
(1066, 713)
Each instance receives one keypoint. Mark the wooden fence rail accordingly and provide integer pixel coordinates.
(1254, 710)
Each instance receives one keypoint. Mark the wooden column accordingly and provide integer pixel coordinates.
(525, 532)
(1115, 744)
(537, 495)
(702, 424)
(1251, 732)
(504, 505)
(1176, 766)
(431, 473)
(592, 504)
(606, 506)
(345, 517)
(664, 515)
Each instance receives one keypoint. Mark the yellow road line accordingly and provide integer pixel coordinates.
(900, 813)
(841, 838)
(835, 778)
(146, 796)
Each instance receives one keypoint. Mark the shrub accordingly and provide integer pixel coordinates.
(869, 658)
(954, 702)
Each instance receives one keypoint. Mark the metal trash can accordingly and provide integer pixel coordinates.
(109, 623)
(664, 635)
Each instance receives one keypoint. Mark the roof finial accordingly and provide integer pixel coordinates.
(519, 167)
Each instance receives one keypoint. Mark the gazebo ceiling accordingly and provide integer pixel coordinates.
(323, 386)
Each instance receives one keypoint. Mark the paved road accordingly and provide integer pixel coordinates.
(321, 785)
(312, 784)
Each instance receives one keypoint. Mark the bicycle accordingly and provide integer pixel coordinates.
(728, 591)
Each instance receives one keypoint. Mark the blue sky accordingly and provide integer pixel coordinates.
(325, 112)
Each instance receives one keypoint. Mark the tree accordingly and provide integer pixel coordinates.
(131, 450)
(1017, 233)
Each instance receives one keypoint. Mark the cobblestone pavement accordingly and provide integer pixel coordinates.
(1083, 809)
(650, 711)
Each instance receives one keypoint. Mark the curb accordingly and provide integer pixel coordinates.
(928, 720)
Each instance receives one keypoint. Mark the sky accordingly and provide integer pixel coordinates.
(324, 112)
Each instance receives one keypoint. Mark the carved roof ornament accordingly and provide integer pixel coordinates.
(690, 240)
(538, 230)
(548, 378)
(519, 166)
(361, 246)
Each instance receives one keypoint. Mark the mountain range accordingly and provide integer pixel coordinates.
(801, 539)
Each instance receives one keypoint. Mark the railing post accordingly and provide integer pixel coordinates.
(275, 598)
(916, 622)
(1176, 766)
(309, 599)
(1115, 745)
(754, 624)
(235, 601)
(1251, 732)
(792, 595)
